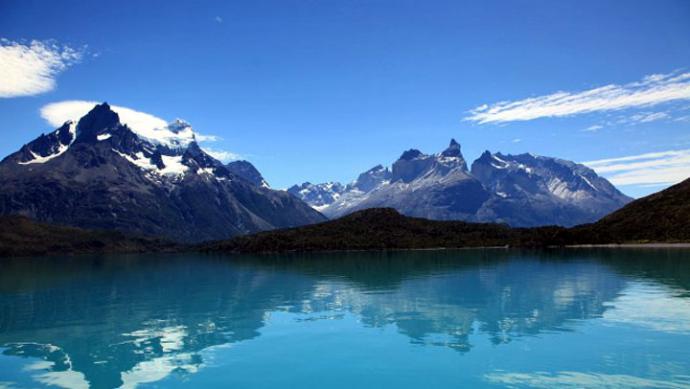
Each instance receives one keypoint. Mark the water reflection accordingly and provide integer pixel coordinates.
(126, 321)
(574, 379)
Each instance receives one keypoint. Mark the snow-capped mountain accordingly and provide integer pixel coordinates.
(535, 190)
(99, 173)
(521, 190)
(319, 195)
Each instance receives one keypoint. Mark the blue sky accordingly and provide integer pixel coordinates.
(323, 90)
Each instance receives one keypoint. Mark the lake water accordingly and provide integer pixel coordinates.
(434, 319)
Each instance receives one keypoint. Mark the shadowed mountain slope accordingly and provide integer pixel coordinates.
(661, 217)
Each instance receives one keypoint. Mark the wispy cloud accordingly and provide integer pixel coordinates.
(31, 69)
(647, 117)
(218, 19)
(651, 90)
(661, 168)
(207, 138)
(222, 155)
(593, 128)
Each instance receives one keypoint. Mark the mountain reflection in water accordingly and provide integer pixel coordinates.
(132, 320)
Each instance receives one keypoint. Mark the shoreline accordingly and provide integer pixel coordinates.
(506, 247)
(678, 245)
(631, 245)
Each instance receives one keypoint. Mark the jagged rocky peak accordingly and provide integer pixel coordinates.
(371, 178)
(411, 164)
(452, 157)
(247, 171)
(453, 149)
(525, 162)
(487, 162)
(414, 164)
(47, 146)
(411, 154)
(100, 119)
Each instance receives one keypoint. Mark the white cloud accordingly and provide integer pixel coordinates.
(144, 124)
(31, 69)
(647, 117)
(517, 140)
(218, 19)
(207, 138)
(58, 113)
(222, 155)
(660, 168)
(652, 90)
(594, 128)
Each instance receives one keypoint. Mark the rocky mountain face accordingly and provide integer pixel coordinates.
(521, 190)
(99, 173)
(246, 170)
(534, 190)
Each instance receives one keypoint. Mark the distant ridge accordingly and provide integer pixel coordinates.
(523, 190)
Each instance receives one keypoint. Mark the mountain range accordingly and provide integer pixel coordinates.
(522, 190)
(377, 229)
(98, 173)
(663, 217)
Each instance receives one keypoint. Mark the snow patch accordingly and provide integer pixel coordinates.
(39, 159)
(588, 182)
(175, 135)
(320, 207)
(173, 165)
(139, 160)
(102, 137)
(61, 149)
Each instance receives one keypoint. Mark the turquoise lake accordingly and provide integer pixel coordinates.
(434, 319)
